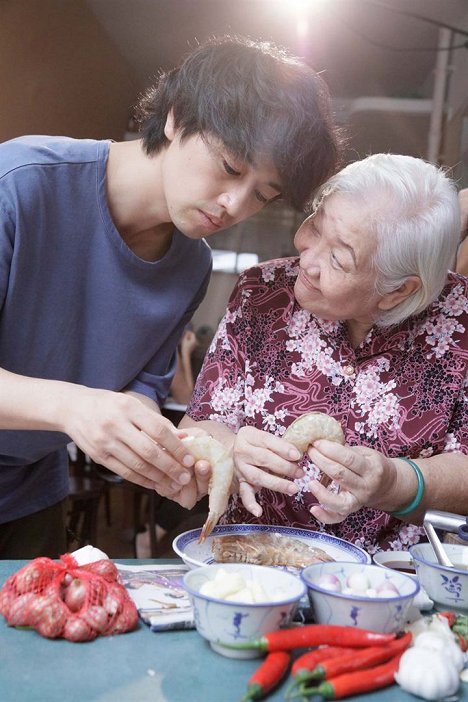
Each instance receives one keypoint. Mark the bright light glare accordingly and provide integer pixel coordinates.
(298, 8)
(302, 27)
(232, 262)
(299, 12)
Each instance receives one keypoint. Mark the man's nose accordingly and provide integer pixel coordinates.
(235, 201)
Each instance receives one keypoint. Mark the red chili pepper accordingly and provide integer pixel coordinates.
(267, 676)
(316, 635)
(359, 660)
(357, 682)
(451, 617)
(308, 661)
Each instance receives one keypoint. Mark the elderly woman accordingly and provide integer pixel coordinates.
(368, 326)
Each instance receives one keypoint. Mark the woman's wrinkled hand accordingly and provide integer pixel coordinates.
(365, 478)
(263, 460)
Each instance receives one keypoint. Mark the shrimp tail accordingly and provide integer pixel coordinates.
(208, 527)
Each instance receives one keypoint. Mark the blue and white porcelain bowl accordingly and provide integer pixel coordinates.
(448, 587)
(385, 614)
(222, 622)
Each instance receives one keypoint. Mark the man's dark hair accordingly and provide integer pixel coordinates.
(259, 101)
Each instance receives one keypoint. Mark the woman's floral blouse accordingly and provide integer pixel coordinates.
(403, 391)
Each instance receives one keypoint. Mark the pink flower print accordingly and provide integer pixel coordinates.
(329, 367)
(427, 452)
(231, 421)
(232, 315)
(299, 323)
(384, 411)
(269, 421)
(291, 269)
(410, 534)
(456, 302)
(329, 327)
(225, 398)
(440, 333)
(268, 273)
(451, 443)
(280, 415)
(249, 379)
(254, 402)
(375, 399)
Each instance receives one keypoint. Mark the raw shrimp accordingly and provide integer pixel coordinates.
(270, 549)
(205, 447)
(309, 428)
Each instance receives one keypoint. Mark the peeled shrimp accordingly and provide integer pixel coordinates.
(205, 447)
(309, 428)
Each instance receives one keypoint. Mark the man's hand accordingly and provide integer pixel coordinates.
(120, 432)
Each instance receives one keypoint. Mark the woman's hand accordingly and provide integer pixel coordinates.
(263, 460)
(365, 477)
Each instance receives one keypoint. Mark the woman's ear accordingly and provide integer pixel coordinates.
(396, 297)
(169, 127)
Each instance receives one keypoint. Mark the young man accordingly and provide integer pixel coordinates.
(103, 262)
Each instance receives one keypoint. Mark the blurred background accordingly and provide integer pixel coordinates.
(397, 71)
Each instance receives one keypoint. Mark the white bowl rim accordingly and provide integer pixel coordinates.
(358, 598)
(267, 603)
(436, 564)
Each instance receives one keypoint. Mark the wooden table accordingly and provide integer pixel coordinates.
(141, 666)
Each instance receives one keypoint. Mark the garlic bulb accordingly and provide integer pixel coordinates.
(427, 673)
(430, 639)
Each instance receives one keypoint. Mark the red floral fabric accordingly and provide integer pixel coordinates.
(403, 391)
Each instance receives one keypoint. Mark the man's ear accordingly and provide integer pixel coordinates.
(396, 297)
(169, 127)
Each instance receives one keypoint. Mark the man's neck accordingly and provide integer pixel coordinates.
(136, 201)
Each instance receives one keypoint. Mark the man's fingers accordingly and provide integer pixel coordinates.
(154, 454)
(164, 435)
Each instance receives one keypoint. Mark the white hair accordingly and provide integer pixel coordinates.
(411, 206)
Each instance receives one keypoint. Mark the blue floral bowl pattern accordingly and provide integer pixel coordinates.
(222, 622)
(382, 614)
(448, 587)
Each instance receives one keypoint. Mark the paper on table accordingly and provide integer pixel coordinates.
(159, 595)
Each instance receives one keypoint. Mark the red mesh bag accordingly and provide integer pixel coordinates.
(63, 599)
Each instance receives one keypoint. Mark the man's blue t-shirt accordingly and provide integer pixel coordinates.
(76, 304)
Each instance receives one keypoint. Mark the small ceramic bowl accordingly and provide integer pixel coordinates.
(222, 622)
(448, 587)
(395, 560)
(385, 614)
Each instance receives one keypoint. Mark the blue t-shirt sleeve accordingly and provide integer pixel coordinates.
(7, 232)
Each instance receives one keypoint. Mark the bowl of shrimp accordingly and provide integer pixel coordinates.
(360, 595)
(235, 603)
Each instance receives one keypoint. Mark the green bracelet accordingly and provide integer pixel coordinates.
(419, 492)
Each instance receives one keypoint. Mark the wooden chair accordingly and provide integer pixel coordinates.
(84, 498)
